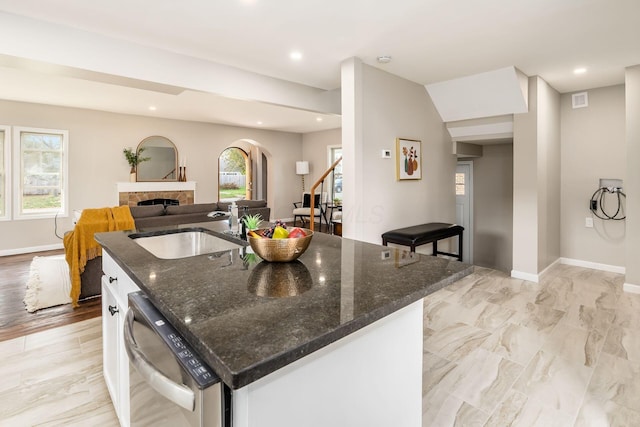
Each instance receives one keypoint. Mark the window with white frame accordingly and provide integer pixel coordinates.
(5, 169)
(40, 172)
(335, 152)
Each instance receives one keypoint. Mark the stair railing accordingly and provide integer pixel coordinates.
(319, 182)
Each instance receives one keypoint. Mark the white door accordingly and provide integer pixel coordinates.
(464, 207)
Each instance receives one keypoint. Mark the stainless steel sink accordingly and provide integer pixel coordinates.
(183, 244)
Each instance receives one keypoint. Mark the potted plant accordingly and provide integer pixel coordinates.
(134, 158)
(252, 222)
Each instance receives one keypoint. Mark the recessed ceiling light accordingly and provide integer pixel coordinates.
(318, 119)
(295, 55)
(580, 70)
(152, 108)
(384, 59)
(259, 122)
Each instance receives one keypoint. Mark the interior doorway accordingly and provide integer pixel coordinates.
(464, 207)
(334, 152)
(234, 174)
(262, 172)
(243, 172)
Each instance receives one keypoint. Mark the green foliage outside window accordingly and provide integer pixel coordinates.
(41, 170)
(232, 160)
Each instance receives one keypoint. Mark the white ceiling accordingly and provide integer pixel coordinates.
(429, 41)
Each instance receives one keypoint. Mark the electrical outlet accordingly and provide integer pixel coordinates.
(385, 254)
(588, 222)
(386, 154)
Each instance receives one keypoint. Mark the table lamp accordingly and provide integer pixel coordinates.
(302, 168)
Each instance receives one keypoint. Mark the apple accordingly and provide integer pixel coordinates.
(297, 232)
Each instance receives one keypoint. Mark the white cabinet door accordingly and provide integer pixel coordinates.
(119, 281)
(116, 285)
(110, 343)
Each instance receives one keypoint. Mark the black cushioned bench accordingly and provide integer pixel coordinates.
(425, 233)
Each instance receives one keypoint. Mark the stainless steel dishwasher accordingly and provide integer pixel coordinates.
(169, 384)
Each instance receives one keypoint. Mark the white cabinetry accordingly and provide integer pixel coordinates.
(371, 377)
(116, 285)
(110, 341)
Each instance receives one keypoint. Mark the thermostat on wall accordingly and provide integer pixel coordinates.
(386, 154)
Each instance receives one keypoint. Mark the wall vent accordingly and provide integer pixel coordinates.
(580, 100)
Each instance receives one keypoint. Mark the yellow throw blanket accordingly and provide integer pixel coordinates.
(80, 246)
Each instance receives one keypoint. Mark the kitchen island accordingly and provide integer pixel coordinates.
(334, 338)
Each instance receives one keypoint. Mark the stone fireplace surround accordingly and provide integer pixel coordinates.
(130, 193)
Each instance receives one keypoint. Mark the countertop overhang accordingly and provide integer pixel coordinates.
(215, 301)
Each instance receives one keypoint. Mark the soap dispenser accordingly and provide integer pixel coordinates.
(243, 232)
(233, 221)
(233, 217)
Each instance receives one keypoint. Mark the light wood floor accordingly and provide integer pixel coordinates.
(15, 321)
(54, 378)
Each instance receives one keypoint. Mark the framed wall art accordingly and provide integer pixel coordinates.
(408, 159)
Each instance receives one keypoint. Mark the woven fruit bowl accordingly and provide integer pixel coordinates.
(280, 250)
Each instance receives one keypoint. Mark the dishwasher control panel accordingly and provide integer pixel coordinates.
(202, 374)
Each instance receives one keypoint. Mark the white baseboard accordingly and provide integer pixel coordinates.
(20, 251)
(557, 261)
(525, 276)
(578, 263)
(627, 287)
(530, 276)
(593, 265)
(631, 288)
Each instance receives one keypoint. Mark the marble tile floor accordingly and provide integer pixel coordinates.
(500, 351)
(497, 352)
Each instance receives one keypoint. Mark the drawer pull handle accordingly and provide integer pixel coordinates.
(112, 279)
(113, 309)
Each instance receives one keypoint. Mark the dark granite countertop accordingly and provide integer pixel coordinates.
(218, 303)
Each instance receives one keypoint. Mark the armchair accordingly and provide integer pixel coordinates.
(302, 209)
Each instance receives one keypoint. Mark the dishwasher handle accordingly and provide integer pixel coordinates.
(177, 393)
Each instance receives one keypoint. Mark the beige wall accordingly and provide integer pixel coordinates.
(548, 175)
(384, 107)
(593, 147)
(315, 150)
(493, 207)
(536, 198)
(96, 140)
(632, 183)
(525, 186)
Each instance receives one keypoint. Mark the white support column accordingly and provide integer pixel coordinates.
(352, 146)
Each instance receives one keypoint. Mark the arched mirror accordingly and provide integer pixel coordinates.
(163, 160)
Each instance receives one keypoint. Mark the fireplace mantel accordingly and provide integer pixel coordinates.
(130, 193)
(131, 187)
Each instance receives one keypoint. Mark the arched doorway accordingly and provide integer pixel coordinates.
(234, 179)
(243, 171)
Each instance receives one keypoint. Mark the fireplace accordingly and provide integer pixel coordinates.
(164, 202)
(134, 193)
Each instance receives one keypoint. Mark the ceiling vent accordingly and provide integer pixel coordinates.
(580, 100)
